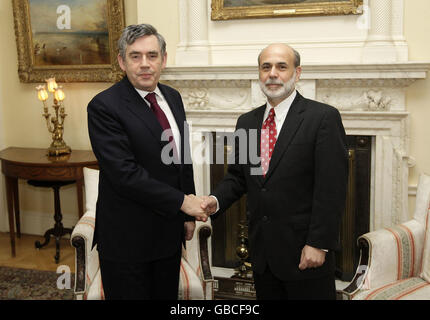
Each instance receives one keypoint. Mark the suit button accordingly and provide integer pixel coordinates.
(265, 218)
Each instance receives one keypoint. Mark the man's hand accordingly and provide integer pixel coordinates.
(192, 207)
(189, 227)
(209, 204)
(311, 257)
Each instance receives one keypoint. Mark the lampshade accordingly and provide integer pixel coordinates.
(42, 94)
(59, 94)
(52, 85)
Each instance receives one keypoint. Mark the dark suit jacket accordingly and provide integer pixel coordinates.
(302, 198)
(138, 214)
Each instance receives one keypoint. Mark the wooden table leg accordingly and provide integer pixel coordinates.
(9, 197)
(79, 191)
(16, 206)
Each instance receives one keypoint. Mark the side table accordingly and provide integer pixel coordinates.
(34, 164)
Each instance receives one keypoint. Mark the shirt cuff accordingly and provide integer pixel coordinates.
(217, 204)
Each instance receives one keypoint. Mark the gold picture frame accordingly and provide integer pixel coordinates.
(79, 46)
(245, 9)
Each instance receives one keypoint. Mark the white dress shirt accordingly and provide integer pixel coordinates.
(281, 111)
(169, 115)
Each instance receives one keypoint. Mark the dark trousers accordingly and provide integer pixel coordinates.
(268, 287)
(155, 280)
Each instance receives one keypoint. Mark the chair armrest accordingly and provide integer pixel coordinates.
(388, 255)
(363, 266)
(79, 243)
(85, 227)
(204, 234)
(81, 239)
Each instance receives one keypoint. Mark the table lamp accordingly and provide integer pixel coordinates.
(55, 123)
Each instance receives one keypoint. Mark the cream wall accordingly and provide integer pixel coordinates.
(21, 123)
(417, 29)
(164, 16)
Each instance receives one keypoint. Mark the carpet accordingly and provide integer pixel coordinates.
(24, 284)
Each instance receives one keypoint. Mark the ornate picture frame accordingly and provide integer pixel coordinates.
(73, 40)
(245, 9)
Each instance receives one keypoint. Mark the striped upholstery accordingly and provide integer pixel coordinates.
(405, 289)
(95, 288)
(405, 244)
(190, 285)
(399, 256)
(395, 253)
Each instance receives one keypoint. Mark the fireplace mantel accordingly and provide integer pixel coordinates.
(404, 70)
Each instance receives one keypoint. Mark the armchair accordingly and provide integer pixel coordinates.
(395, 262)
(195, 283)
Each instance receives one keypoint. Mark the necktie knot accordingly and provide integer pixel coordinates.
(271, 115)
(150, 97)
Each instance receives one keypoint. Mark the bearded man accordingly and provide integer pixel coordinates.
(294, 205)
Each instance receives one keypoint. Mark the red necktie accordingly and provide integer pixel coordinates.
(161, 117)
(268, 140)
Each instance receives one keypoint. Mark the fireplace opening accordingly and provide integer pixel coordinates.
(355, 221)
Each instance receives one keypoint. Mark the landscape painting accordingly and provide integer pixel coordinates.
(72, 32)
(250, 3)
(71, 40)
(246, 9)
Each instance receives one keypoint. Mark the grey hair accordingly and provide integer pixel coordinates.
(296, 56)
(135, 31)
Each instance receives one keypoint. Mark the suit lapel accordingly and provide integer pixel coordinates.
(139, 107)
(257, 124)
(289, 128)
(135, 103)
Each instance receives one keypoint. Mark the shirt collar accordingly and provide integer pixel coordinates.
(143, 93)
(281, 109)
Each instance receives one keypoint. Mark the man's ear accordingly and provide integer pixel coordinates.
(121, 62)
(163, 65)
(298, 73)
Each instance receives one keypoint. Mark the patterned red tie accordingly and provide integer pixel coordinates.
(268, 140)
(161, 117)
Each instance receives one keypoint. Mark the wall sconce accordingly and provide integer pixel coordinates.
(55, 124)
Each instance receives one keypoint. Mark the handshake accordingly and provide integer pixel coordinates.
(199, 207)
